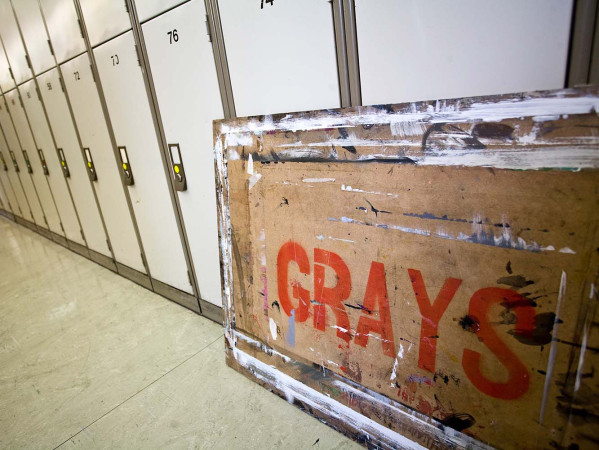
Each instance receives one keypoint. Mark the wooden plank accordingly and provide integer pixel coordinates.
(419, 274)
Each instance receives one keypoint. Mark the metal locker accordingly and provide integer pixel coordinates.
(13, 45)
(105, 19)
(147, 9)
(10, 199)
(143, 171)
(424, 50)
(63, 27)
(72, 162)
(6, 81)
(186, 84)
(31, 158)
(18, 159)
(5, 204)
(101, 162)
(34, 34)
(302, 76)
(22, 204)
(47, 154)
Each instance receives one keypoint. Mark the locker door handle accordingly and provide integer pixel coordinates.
(4, 166)
(14, 161)
(40, 152)
(126, 166)
(178, 169)
(27, 162)
(63, 164)
(91, 169)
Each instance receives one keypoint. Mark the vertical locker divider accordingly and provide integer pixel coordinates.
(149, 284)
(149, 84)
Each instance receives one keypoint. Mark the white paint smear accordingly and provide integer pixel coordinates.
(273, 328)
(318, 180)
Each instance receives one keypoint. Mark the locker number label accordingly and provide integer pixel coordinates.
(77, 78)
(173, 36)
(262, 2)
(49, 86)
(115, 60)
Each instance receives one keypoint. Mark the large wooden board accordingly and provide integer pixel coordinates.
(420, 274)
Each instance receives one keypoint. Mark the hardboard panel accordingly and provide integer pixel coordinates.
(184, 75)
(62, 125)
(34, 33)
(14, 151)
(63, 28)
(31, 159)
(58, 184)
(87, 109)
(430, 266)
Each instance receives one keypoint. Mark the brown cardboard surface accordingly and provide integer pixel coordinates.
(440, 255)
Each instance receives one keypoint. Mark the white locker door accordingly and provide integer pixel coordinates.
(94, 136)
(298, 69)
(20, 205)
(57, 181)
(9, 193)
(6, 81)
(66, 140)
(133, 127)
(413, 50)
(63, 28)
(34, 34)
(105, 19)
(4, 201)
(189, 98)
(146, 9)
(31, 159)
(13, 43)
(13, 145)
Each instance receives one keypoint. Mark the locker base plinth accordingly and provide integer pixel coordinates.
(180, 297)
(7, 214)
(61, 240)
(78, 248)
(26, 223)
(103, 260)
(212, 312)
(137, 277)
(44, 232)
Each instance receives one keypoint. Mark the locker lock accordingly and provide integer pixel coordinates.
(91, 169)
(126, 166)
(63, 163)
(4, 166)
(14, 161)
(27, 162)
(178, 169)
(43, 161)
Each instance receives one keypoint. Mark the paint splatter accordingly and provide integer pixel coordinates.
(469, 323)
(516, 281)
(459, 421)
(540, 334)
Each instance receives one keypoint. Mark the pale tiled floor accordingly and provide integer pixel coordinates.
(91, 360)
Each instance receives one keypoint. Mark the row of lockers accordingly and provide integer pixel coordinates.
(107, 105)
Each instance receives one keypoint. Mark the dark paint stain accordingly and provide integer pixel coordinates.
(508, 317)
(362, 208)
(284, 202)
(358, 306)
(344, 135)
(376, 211)
(440, 375)
(441, 136)
(459, 421)
(508, 267)
(316, 442)
(517, 281)
(470, 323)
(540, 334)
(276, 304)
(493, 131)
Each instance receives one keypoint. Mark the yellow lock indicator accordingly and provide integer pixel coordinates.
(176, 169)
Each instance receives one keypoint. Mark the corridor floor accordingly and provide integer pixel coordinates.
(91, 360)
